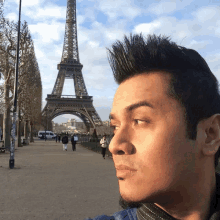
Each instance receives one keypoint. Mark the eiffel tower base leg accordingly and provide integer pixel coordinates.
(50, 126)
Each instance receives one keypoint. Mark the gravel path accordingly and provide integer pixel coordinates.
(49, 183)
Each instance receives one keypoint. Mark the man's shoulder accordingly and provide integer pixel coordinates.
(126, 214)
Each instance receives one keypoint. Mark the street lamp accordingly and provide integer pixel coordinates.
(12, 147)
(46, 127)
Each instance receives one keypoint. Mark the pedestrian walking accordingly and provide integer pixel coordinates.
(73, 141)
(104, 145)
(56, 138)
(65, 141)
(59, 138)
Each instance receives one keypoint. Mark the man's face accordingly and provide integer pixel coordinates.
(150, 139)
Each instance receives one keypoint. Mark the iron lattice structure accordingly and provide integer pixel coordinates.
(70, 67)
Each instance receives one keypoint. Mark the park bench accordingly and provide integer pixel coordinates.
(2, 148)
(25, 141)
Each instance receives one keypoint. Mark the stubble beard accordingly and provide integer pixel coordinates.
(128, 204)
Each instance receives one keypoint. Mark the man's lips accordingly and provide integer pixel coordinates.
(124, 167)
(123, 171)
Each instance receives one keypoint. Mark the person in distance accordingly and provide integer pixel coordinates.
(65, 140)
(104, 145)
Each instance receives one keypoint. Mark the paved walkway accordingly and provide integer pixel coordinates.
(49, 183)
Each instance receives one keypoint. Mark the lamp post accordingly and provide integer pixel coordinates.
(12, 147)
(46, 129)
(19, 121)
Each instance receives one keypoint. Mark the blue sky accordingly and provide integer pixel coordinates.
(191, 23)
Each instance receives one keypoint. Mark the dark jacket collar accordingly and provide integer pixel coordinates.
(215, 204)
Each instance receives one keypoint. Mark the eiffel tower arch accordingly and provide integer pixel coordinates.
(80, 104)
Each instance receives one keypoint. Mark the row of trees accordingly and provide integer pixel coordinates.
(29, 83)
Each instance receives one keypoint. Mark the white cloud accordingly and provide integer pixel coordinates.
(96, 69)
(80, 19)
(209, 19)
(213, 60)
(205, 14)
(50, 11)
(148, 28)
(116, 8)
(113, 34)
(12, 16)
(26, 3)
(82, 36)
(163, 8)
(68, 88)
(197, 45)
(179, 30)
(39, 53)
(167, 7)
(30, 2)
(100, 33)
(217, 29)
(101, 101)
(93, 44)
(48, 32)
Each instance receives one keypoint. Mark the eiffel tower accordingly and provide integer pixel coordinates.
(80, 105)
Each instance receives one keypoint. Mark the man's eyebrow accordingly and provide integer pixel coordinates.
(137, 105)
(133, 106)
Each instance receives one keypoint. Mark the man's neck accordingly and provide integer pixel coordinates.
(193, 204)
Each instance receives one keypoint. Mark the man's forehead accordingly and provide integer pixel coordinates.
(152, 87)
(131, 107)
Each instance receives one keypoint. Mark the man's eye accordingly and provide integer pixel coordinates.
(114, 127)
(138, 121)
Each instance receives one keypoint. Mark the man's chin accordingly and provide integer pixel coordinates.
(124, 203)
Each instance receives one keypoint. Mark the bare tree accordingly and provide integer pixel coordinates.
(7, 63)
(30, 88)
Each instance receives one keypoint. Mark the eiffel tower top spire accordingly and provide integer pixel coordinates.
(70, 46)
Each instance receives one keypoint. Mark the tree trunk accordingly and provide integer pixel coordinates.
(26, 129)
(6, 121)
(32, 138)
(26, 132)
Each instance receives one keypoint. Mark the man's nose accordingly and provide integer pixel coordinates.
(121, 143)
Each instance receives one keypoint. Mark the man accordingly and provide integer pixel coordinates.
(166, 123)
(104, 145)
(73, 141)
(65, 141)
(45, 136)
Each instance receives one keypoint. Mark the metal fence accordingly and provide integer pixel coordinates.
(88, 138)
(94, 144)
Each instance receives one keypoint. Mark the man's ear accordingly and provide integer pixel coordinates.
(211, 135)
